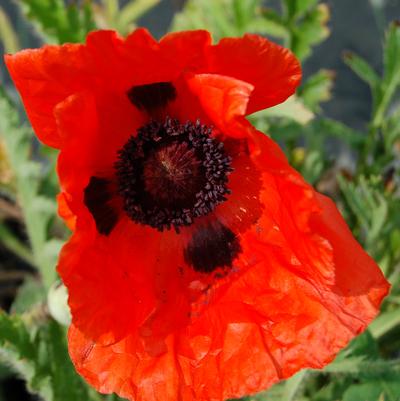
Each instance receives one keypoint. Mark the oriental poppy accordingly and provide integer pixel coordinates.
(201, 265)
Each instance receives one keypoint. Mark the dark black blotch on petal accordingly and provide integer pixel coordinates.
(97, 196)
(212, 246)
(151, 97)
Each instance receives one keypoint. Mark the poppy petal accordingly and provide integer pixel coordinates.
(273, 70)
(187, 48)
(106, 284)
(211, 358)
(45, 77)
(64, 211)
(355, 266)
(223, 99)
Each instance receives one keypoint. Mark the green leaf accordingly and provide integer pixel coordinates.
(294, 386)
(30, 294)
(333, 390)
(310, 31)
(336, 129)
(384, 323)
(362, 69)
(303, 6)
(243, 11)
(313, 165)
(222, 18)
(391, 76)
(59, 22)
(131, 12)
(391, 130)
(274, 393)
(269, 23)
(317, 89)
(366, 200)
(38, 210)
(40, 355)
(364, 369)
(352, 365)
(292, 109)
(296, 8)
(8, 36)
(377, 390)
(391, 59)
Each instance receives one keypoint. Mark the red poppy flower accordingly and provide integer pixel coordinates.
(201, 266)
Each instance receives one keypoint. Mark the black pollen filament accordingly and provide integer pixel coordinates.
(171, 173)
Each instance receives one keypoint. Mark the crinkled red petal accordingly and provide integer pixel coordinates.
(273, 70)
(111, 280)
(294, 287)
(47, 76)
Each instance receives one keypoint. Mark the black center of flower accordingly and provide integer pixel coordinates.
(171, 173)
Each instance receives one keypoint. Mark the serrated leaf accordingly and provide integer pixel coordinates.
(304, 5)
(41, 357)
(310, 31)
(317, 89)
(38, 210)
(366, 201)
(222, 18)
(59, 22)
(296, 8)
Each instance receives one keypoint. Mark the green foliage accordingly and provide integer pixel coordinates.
(38, 352)
(123, 18)
(59, 22)
(301, 26)
(8, 36)
(30, 294)
(38, 210)
(306, 21)
(222, 18)
(366, 201)
(317, 89)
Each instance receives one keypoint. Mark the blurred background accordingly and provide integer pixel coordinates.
(341, 130)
